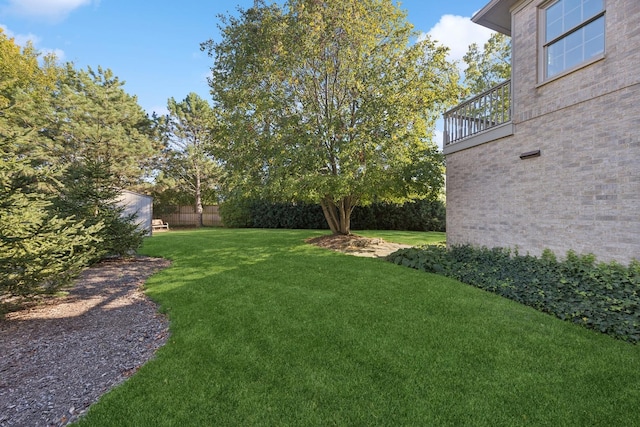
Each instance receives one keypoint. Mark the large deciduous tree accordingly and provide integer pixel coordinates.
(190, 131)
(331, 102)
(488, 66)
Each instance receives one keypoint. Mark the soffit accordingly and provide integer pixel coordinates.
(496, 15)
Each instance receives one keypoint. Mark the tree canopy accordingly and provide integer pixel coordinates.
(106, 142)
(69, 142)
(330, 102)
(38, 249)
(99, 122)
(488, 66)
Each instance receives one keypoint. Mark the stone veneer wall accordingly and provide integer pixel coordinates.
(583, 192)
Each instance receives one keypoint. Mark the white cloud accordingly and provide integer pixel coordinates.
(20, 39)
(53, 10)
(59, 53)
(457, 33)
(23, 39)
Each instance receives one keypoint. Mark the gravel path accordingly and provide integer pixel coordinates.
(58, 358)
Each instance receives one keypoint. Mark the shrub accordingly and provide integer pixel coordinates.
(267, 214)
(420, 215)
(236, 213)
(600, 296)
(417, 215)
(120, 235)
(40, 252)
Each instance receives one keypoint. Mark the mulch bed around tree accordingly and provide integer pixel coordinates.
(60, 356)
(353, 244)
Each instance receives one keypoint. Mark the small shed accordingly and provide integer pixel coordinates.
(139, 204)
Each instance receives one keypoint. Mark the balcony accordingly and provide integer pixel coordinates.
(481, 119)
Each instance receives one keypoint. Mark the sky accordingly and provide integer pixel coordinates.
(154, 46)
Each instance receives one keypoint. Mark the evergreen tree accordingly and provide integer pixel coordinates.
(189, 129)
(97, 121)
(107, 144)
(39, 251)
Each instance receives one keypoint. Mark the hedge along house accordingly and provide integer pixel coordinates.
(139, 204)
(551, 158)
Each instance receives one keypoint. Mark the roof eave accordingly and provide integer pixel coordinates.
(496, 15)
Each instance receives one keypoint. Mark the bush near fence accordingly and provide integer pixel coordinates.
(420, 215)
(185, 216)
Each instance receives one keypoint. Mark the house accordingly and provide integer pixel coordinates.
(551, 158)
(139, 204)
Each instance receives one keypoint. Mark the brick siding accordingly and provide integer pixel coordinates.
(583, 192)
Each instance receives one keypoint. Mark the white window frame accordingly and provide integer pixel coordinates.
(543, 69)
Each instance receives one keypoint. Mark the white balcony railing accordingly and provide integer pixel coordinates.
(480, 113)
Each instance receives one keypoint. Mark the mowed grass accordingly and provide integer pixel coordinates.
(267, 330)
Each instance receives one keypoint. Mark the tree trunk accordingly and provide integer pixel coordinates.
(338, 215)
(199, 200)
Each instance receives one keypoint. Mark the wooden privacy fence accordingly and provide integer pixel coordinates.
(185, 216)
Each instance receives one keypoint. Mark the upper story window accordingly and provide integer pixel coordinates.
(573, 34)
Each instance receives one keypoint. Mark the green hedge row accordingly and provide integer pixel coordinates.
(600, 296)
(420, 215)
(248, 213)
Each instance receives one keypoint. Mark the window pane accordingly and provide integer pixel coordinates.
(577, 47)
(573, 49)
(572, 18)
(553, 20)
(573, 56)
(565, 15)
(594, 38)
(591, 8)
(555, 58)
(569, 5)
(576, 42)
(554, 29)
(594, 29)
(594, 47)
(554, 12)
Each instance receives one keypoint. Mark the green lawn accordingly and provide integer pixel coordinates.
(267, 330)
